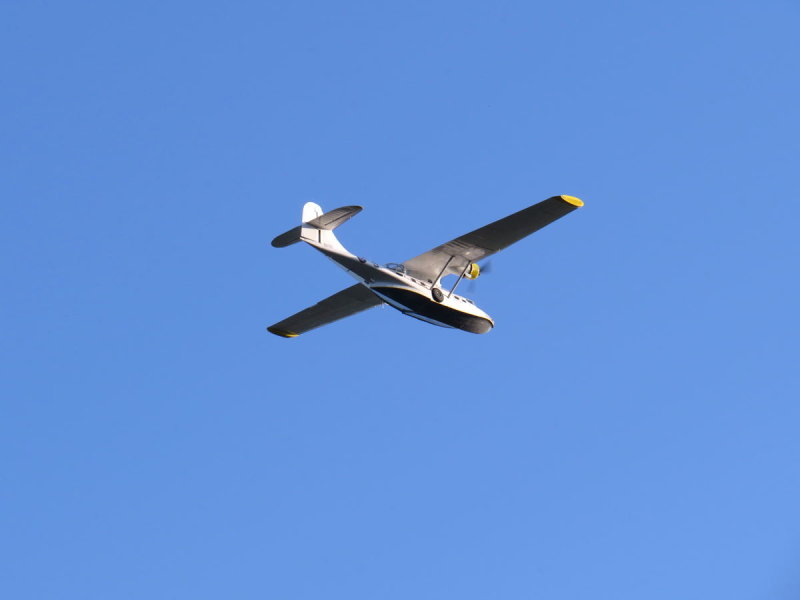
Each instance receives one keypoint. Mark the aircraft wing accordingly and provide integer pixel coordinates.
(455, 255)
(342, 304)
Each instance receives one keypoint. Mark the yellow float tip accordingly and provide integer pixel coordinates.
(572, 200)
(281, 332)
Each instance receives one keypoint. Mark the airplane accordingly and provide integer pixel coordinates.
(413, 287)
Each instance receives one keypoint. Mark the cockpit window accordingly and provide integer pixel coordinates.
(396, 267)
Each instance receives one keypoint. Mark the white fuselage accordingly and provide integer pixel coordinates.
(409, 295)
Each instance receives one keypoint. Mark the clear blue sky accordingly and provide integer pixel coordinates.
(628, 430)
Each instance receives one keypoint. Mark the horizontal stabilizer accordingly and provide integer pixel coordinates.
(313, 226)
(334, 218)
(287, 239)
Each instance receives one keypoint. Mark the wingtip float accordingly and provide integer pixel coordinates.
(282, 333)
(572, 200)
(413, 287)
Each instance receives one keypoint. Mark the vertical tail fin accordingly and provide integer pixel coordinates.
(317, 227)
(311, 211)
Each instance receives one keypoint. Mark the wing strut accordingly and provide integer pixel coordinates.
(460, 277)
(444, 268)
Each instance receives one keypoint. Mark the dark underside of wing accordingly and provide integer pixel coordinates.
(485, 241)
(348, 302)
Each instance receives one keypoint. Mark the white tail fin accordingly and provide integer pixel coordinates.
(318, 226)
(311, 211)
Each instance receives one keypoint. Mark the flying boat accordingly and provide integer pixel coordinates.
(413, 287)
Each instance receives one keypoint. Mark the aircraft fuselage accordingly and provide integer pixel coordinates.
(411, 296)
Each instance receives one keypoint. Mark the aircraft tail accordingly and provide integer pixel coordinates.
(317, 227)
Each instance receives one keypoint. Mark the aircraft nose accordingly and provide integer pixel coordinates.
(481, 326)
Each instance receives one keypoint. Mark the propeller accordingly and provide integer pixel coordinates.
(486, 268)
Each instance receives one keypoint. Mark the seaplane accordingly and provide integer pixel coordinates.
(415, 286)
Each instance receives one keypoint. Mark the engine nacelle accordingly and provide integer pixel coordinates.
(472, 272)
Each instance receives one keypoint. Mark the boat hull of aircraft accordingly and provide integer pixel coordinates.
(415, 304)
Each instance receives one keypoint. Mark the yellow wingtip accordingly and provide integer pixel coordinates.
(282, 333)
(572, 200)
